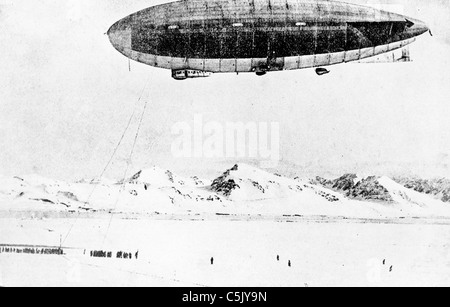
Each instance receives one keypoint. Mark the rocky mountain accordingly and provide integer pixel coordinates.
(244, 182)
(240, 189)
(352, 187)
(370, 189)
(177, 189)
(224, 184)
(439, 188)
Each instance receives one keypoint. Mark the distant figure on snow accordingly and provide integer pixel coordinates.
(137, 254)
(289, 263)
(212, 260)
(391, 268)
(384, 262)
(278, 257)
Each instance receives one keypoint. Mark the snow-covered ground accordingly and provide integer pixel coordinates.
(243, 219)
(177, 253)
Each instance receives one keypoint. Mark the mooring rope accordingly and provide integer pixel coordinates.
(127, 168)
(97, 182)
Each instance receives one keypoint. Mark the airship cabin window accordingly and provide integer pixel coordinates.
(245, 45)
(261, 42)
(213, 43)
(337, 37)
(323, 39)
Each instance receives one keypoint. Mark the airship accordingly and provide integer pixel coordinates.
(197, 38)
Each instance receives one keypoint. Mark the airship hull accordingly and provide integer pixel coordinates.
(220, 36)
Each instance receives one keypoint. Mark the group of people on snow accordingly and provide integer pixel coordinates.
(32, 250)
(119, 255)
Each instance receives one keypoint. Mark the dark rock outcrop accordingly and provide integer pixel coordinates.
(365, 189)
(439, 188)
(370, 189)
(223, 185)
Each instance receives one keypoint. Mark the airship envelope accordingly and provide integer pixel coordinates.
(195, 38)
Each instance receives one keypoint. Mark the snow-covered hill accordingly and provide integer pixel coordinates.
(35, 193)
(353, 187)
(440, 187)
(159, 178)
(242, 189)
(411, 201)
(244, 182)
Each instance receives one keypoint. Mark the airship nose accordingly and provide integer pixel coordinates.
(417, 27)
(422, 28)
(120, 36)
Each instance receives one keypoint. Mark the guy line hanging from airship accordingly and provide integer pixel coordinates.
(196, 38)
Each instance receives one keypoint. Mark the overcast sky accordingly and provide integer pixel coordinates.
(66, 96)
